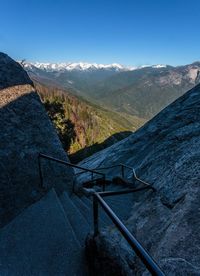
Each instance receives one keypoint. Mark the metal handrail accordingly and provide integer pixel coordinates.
(109, 167)
(148, 261)
(135, 175)
(123, 166)
(122, 169)
(42, 155)
(97, 198)
(96, 169)
(124, 191)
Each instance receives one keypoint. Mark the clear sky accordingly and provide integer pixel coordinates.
(131, 32)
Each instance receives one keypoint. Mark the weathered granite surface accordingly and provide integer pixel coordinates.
(11, 73)
(25, 130)
(166, 153)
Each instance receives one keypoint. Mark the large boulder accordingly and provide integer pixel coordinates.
(166, 153)
(25, 131)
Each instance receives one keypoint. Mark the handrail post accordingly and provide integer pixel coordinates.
(40, 171)
(122, 166)
(95, 216)
(104, 183)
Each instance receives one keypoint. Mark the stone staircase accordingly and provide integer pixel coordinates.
(48, 238)
(41, 241)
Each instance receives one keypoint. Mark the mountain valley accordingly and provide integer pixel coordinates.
(139, 91)
(99, 105)
(84, 128)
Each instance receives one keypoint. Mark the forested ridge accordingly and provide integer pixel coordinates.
(83, 128)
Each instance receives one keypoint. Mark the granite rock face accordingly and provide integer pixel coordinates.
(166, 153)
(25, 131)
(11, 73)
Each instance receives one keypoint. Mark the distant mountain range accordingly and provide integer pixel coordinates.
(146, 91)
(83, 66)
(140, 91)
(109, 98)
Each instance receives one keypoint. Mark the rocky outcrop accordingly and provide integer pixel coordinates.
(11, 73)
(25, 131)
(166, 153)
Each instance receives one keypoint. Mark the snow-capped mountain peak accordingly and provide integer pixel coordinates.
(84, 66)
(70, 66)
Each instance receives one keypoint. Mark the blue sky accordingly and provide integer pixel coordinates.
(131, 32)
